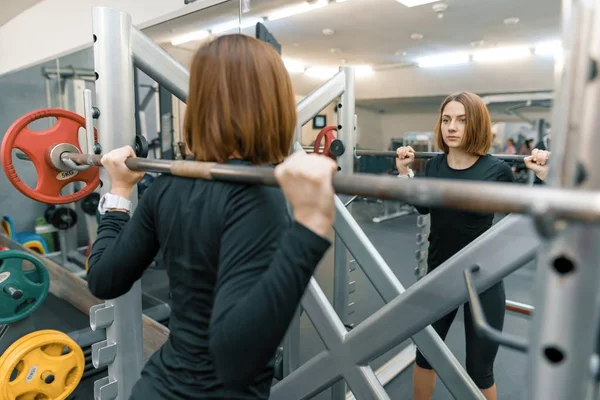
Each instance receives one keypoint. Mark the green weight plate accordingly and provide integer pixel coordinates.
(21, 291)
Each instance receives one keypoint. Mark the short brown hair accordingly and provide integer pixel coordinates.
(477, 137)
(241, 102)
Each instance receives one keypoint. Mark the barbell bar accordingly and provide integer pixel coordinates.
(379, 153)
(422, 155)
(468, 196)
(431, 154)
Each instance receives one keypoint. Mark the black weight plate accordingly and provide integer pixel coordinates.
(89, 204)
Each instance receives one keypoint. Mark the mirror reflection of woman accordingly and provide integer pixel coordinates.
(464, 133)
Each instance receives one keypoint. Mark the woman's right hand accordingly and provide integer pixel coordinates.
(404, 157)
(307, 182)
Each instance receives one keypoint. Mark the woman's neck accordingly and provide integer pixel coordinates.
(458, 159)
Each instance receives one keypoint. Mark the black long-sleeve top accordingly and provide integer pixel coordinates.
(237, 266)
(451, 229)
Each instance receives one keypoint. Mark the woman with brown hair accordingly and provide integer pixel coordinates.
(464, 134)
(237, 263)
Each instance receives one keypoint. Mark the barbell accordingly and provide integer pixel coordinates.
(334, 147)
(55, 150)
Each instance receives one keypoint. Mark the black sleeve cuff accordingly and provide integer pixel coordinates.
(116, 216)
(309, 240)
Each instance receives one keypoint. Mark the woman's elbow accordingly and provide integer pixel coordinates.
(97, 287)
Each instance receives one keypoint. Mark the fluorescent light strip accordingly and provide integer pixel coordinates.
(502, 54)
(363, 70)
(414, 3)
(294, 66)
(552, 48)
(296, 9)
(235, 24)
(443, 60)
(321, 72)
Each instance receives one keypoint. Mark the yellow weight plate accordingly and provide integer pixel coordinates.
(44, 365)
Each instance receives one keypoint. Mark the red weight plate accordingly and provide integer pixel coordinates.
(326, 133)
(36, 144)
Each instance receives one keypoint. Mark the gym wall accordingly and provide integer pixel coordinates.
(369, 130)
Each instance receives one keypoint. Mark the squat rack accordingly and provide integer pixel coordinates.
(561, 344)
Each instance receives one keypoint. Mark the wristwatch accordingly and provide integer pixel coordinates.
(410, 175)
(111, 201)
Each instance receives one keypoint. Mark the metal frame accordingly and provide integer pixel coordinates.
(348, 353)
(563, 339)
(125, 46)
(122, 351)
(566, 320)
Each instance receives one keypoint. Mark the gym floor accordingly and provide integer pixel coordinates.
(396, 241)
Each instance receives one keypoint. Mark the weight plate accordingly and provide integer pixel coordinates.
(62, 218)
(89, 204)
(141, 146)
(22, 291)
(45, 364)
(36, 145)
(337, 148)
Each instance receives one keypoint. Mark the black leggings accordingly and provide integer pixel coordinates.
(481, 352)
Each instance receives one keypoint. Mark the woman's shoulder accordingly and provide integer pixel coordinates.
(436, 161)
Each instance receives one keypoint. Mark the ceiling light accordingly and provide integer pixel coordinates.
(502, 54)
(189, 37)
(439, 9)
(235, 24)
(477, 43)
(416, 36)
(363, 70)
(328, 31)
(321, 72)
(414, 3)
(294, 66)
(443, 60)
(511, 21)
(335, 50)
(297, 9)
(552, 48)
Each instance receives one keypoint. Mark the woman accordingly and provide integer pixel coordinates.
(237, 263)
(526, 148)
(463, 132)
(510, 147)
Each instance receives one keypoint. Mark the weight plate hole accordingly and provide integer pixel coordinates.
(66, 350)
(24, 305)
(71, 377)
(17, 371)
(54, 349)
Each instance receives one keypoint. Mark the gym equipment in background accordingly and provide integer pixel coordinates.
(44, 364)
(24, 285)
(29, 240)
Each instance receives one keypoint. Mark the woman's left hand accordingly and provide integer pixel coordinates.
(123, 179)
(538, 162)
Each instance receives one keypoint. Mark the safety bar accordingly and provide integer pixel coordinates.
(159, 65)
(520, 308)
(481, 325)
